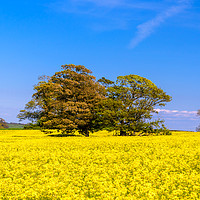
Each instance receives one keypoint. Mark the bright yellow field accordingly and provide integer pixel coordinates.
(37, 166)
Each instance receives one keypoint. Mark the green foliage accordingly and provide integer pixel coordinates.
(32, 111)
(71, 100)
(65, 101)
(129, 105)
(32, 126)
(3, 124)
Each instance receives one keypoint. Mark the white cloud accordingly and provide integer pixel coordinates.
(146, 29)
(177, 113)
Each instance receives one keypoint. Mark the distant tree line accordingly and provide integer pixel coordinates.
(72, 100)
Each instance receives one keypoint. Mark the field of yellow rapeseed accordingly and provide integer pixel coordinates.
(38, 166)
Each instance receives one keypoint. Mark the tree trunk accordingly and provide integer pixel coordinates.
(86, 133)
(122, 133)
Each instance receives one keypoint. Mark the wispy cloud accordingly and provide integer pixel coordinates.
(120, 3)
(123, 14)
(177, 113)
(106, 8)
(107, 3)
(106, 15)
(146, 29)
(179, 119)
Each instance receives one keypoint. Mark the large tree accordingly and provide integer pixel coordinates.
(65, 101)
(3, 123)
(129, 106)
(71, 100)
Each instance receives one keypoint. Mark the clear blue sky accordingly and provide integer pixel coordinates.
(159, 40)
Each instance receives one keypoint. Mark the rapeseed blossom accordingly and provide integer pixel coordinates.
(37, 166)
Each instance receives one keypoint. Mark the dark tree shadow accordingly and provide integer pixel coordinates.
(65, 135)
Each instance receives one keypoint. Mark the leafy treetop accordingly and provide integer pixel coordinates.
(129, 105)
(65, 101)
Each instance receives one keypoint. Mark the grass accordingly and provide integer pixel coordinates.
(36, 166)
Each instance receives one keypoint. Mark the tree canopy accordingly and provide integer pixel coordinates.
(129, 105)
(72, 100)
(3, 123)
(65, 101)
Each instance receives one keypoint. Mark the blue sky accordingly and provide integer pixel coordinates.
(159, 40)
